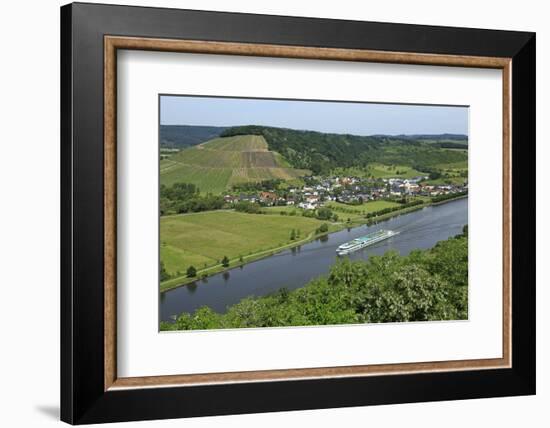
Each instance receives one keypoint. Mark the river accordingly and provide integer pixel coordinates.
(296, 267)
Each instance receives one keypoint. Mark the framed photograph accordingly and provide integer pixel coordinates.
(266, 213)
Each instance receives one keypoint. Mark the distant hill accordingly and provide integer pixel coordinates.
(216, 165)
(183, 136)
(322, 152)
(444, 141)
(427, 137)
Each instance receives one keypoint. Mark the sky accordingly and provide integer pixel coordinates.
(322, 116)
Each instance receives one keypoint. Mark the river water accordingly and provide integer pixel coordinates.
(296, 267)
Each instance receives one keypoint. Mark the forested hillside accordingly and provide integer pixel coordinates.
(459, 138)
(322, 152)
(183, 136)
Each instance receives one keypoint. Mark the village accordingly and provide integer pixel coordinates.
(343, 189)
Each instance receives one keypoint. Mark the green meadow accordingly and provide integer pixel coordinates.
(202, 240)
(358, 211)
(386, 171)
(378, 170)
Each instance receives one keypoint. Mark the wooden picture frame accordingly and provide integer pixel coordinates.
(91, 390)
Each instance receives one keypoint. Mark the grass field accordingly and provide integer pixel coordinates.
(343, 210)
(456, 149)
(240, 143)
(203, 239)
(216, 165)
(457, 180)
(288, 209)
(378, 170)
(458, 166)
(386, 171)
(353, 211)
(453, 173)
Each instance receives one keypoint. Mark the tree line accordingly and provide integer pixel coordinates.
(396, 208)
(446, 197)
(186, 197)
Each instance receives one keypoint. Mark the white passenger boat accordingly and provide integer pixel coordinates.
(364, 241)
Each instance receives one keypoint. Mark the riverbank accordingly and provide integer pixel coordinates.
(338, 296)
(448, 200)
(293, 269)
(242, 260)
(215, 241)
(238, 262)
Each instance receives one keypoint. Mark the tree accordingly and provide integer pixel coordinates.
(390, 288)
(203, 318)
(324, 213)
(225, 261)
(283, 294)
(183, 198)
(292, 235)
(323, 228)
(163, 274)
(248, 207)
(191, 272)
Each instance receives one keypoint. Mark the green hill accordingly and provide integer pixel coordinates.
(216, 165)
(322, 152)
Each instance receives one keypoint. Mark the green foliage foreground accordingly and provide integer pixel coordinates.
(426, 285)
